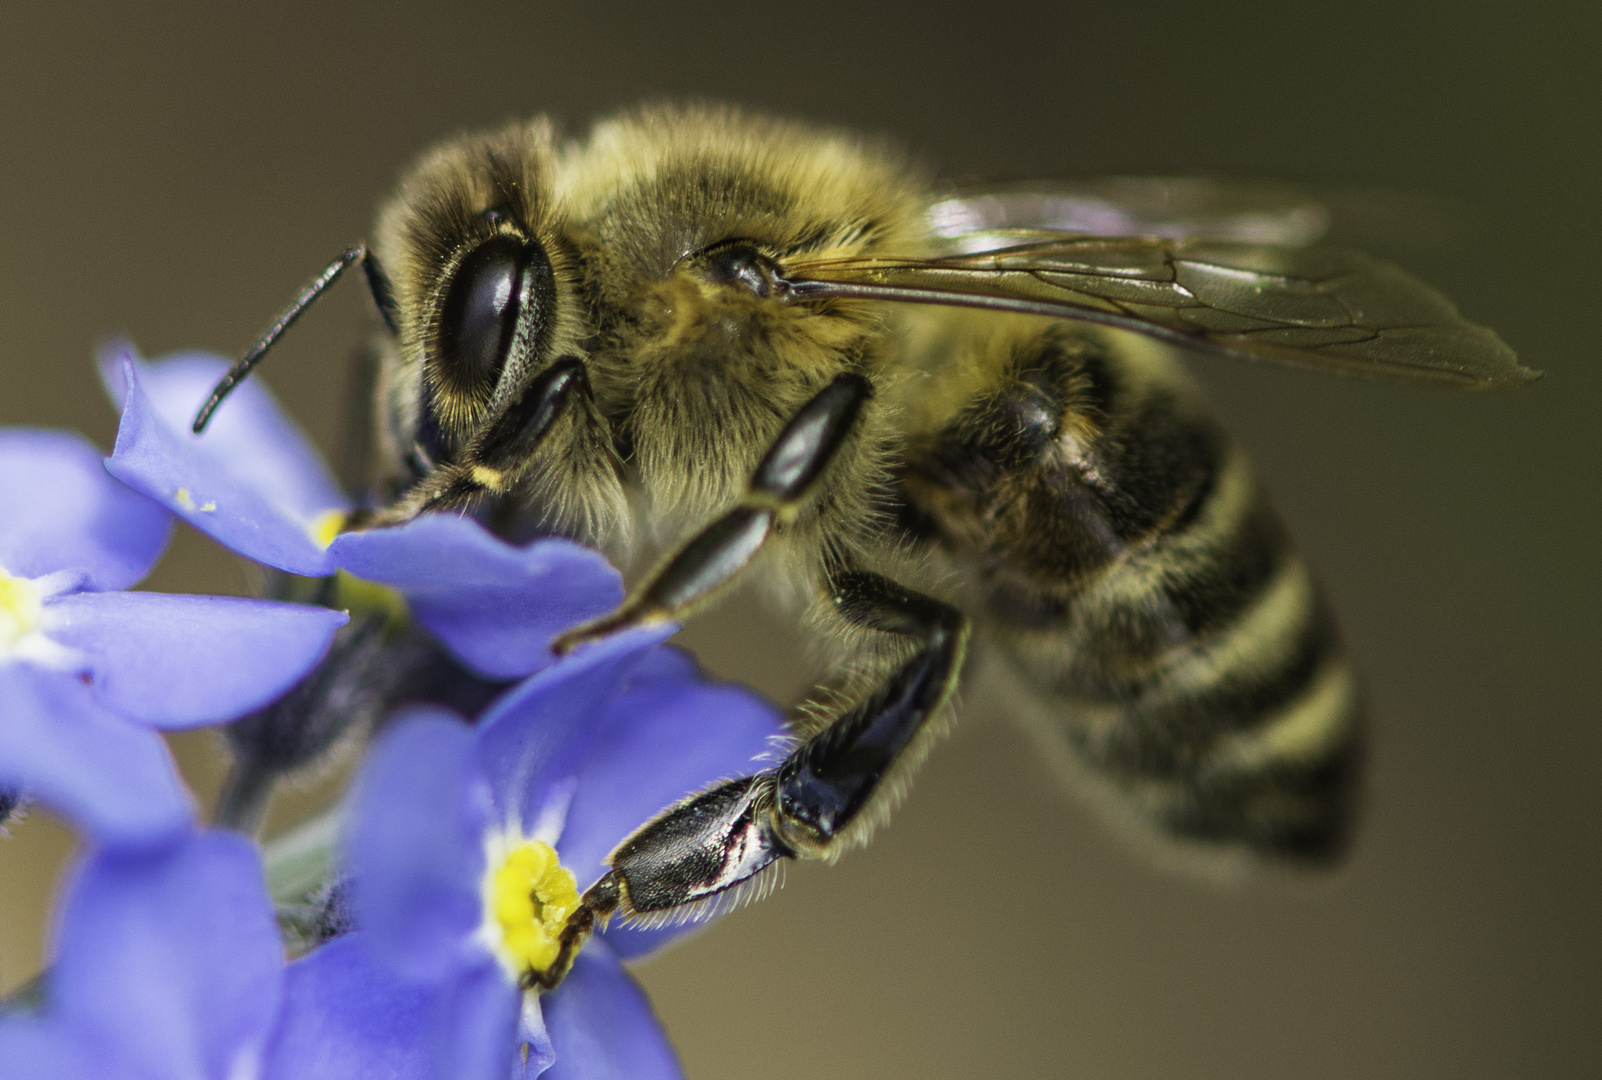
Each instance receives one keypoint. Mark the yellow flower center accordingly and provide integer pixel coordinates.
(529, 895)
(20, 608)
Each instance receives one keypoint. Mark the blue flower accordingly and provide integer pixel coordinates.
(453, 833)
(254, 483)
(167, 965)
(87, 670)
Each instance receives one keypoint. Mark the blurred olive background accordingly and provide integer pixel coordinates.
(176, 171)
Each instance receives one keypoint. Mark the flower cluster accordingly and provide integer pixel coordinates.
(89, 671)
(469, 833)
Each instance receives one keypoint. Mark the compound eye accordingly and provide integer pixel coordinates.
(478, 322)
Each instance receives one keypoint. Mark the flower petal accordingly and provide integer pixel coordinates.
(669, 734)
(41, 1048)
(494, 605)
(602, 1026)
(416, 845)
(113, 779)
(178, 661)
(346, 1016)
(262, 500)
(171, 959)
(475, 1028)
(60, 510)
(534, 1051)
(539, 733)
(250, 434)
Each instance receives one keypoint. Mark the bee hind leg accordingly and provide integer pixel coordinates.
(837, 785)
(827, 794)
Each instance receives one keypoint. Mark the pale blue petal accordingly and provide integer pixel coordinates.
(42, 1048)
(179, 661)
(250, 434)
(345, 1016)
(113, 779)
(495, 606)
(170, 958)
(416, 845)
(213, 492)
(534, 1050)
(61, 510)
(475, 1027)
(538, 735)
(602, 1026)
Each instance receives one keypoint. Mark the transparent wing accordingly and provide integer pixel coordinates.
(1245, 211)
(1325, 308)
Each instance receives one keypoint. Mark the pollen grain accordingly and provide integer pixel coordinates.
(531, 896)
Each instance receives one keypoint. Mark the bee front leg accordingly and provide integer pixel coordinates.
(490, 463)
(826, 795)
(786, 476)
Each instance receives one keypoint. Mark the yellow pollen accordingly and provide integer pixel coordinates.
(184, 500)
(20, 608)
(531, 894)
(326, 525)
(486, 477)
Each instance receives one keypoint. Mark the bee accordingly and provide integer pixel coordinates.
(921, 415)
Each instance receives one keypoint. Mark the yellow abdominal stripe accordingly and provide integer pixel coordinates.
(531, 896)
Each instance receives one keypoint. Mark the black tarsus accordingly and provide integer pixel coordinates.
(377, 284)
(511, 438)
(517, 431)
(715, 555)
(825, 782)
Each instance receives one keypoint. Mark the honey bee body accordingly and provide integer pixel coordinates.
(758, 342)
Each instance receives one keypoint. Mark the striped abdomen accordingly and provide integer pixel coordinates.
(1130, 566)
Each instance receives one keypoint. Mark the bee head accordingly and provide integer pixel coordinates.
(482, 281)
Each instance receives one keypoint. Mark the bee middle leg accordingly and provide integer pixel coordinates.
(827, 794)
(781, 485)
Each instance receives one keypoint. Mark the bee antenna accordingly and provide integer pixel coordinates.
(377, 284)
